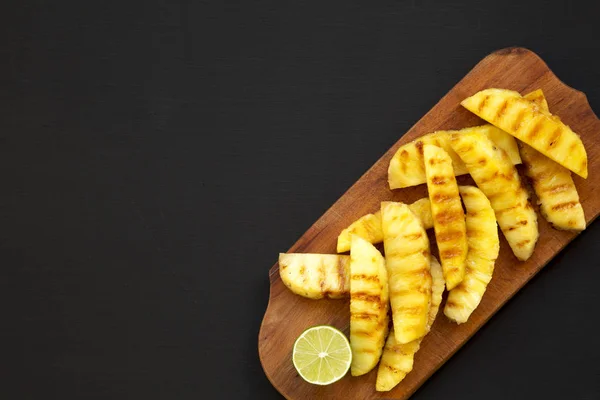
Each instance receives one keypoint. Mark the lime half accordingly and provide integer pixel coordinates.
(322, 355)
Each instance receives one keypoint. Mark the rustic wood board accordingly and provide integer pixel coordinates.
(287, 314)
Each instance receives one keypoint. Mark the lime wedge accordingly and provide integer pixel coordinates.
(322, 355)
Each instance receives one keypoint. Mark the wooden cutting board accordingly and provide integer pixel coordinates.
(288, 315)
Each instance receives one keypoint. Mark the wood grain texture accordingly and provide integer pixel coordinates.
(287, 315)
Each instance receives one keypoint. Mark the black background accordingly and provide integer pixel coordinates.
(156, 156)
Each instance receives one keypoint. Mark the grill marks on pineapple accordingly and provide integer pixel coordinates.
(500, 182)
(535, 129)
(557, 189)
(564, 206)
(533, 124)
(447, 212)
(519, 225)
(365, 316)
(368, 305)
(315, 275)
(449, 236)
(501, 110)
(455, 304)
(439, 180)
(451, 253)
(442, 198)
(446, 217)
(367, 298)
(483, 104)
(341, 271)
(518, 121)
(407, 260)
(302, 273)
(364, 277)
(554, 187)
(483, 251)
(413, 236)
(397, 359)
(419, 146)
(555, 137)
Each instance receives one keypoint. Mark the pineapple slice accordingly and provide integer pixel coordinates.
(369, 299)
(498, 179)
(369, 226)
(407, 261)
(396, 362)
(447, 212)
(555, 189)
(406, 166)
(316, 275)
(523, 119)
(397, 359)
(553, 184)
(422, 209)
(484, 246)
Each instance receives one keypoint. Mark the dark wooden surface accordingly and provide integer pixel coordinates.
(512, 68)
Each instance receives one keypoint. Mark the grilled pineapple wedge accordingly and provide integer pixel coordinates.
(526, 121)
(316, 275)
(397, 359)
(369, 301)
(555, 189)
(407, 169)
(552, 183)
(407, 260)
(495, 175)
(369, 226)
(482, 234)
(447, 212)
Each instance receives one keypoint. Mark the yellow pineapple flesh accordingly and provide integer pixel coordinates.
(369, 299)
(447, 212)
(526, 121)
(555, 189)
(407, 260)
(407, 168)
(369, 226)
(397, 359)
(552, 183)
(422, 209)
(497, 177)
(316, 275)
(482, 234)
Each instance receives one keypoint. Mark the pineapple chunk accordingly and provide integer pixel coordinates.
(396, 362)
(484, 246)
(406, 166)
(422, 209)
(553, 184)
(526, 121)
(397, 359)
(447, 212)
(555, 189)
(369, 226)
(369, 300)
(407, 261)
(498, 179)
(316, 275)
